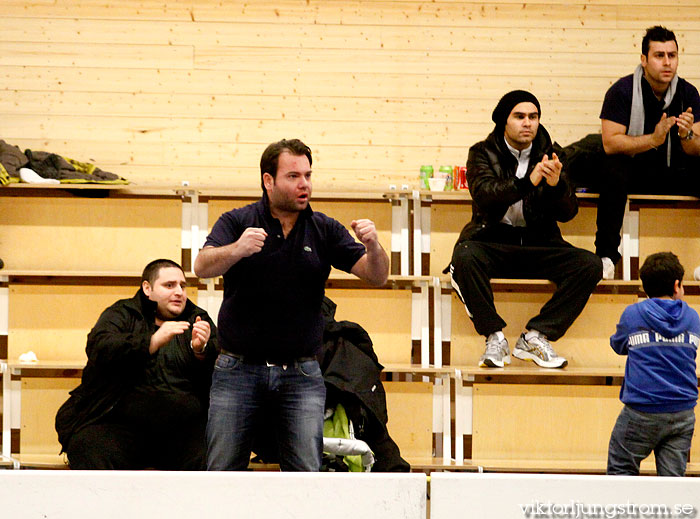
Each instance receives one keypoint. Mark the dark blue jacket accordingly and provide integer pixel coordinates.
(660, 338)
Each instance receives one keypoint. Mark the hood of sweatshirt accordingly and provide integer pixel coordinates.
(665, 316)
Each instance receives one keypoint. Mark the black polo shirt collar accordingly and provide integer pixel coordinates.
(273, 223)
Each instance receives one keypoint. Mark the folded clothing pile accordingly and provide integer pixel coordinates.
(44, 167)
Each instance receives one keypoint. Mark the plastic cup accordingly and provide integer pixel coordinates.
(437, 184)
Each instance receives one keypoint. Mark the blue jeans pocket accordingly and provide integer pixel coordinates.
(226, 362)
(309, 368)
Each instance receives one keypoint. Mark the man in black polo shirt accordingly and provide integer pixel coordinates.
(275, 256)
(651, 136)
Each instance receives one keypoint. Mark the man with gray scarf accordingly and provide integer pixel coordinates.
(650, 136)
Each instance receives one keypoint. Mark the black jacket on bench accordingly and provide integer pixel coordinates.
(352, 373)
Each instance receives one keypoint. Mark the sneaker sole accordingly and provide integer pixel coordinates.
(490, 363)
(527, 356)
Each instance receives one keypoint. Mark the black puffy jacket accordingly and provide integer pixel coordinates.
(117, 351)
(352, 374)
(491, 169)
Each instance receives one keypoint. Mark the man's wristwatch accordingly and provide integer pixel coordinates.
(689, 136)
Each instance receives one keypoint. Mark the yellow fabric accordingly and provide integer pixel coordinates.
(82, 167)
(88, 169)
(337, 427)
(4, 176)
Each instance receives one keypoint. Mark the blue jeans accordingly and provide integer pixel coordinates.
(243, 394)
(636, 434)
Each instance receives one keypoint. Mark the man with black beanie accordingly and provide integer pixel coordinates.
(519, 193)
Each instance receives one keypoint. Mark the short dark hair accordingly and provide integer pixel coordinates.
(659, 274)
(657, 33)
(270, 157)
(150, 273)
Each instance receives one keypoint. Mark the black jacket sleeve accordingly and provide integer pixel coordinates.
(490, 187)
(118, 339)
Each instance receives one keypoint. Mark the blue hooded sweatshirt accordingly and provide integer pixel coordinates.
(660, 338)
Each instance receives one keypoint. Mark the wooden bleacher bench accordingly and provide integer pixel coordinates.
(156, 190)
(465, 195)
(42, 461)
(40, 449)
(616, 286)
(576, 375)
(335, 280)
(428, 465)
(523, 370)
(209, 190)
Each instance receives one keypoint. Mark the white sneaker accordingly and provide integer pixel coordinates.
(538, 350)
(608, 268)
(497, 353)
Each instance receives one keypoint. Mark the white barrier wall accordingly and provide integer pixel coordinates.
(540, 496)
(211, 495)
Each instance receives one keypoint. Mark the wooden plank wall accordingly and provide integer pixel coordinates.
(161, 91)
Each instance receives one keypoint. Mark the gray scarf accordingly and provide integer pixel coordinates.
(636, 126)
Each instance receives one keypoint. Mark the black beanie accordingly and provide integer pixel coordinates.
(508, 102)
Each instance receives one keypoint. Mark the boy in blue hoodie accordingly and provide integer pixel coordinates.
(660, 338)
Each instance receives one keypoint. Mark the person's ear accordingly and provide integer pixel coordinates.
(678, 290)
(268, 180)
(146, 287)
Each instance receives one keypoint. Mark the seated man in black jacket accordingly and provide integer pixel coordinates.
(519, 193)
(144, 395)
